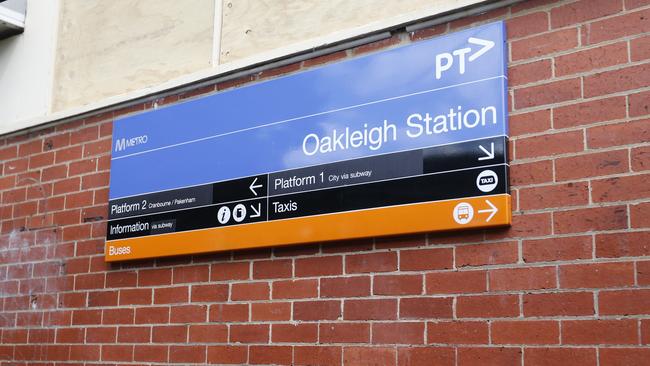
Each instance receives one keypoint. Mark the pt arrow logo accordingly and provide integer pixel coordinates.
(254, 186)
(445, 61)
(492, 210)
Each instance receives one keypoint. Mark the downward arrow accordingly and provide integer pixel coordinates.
(258, 211)
(487, 45)
(493, 210)
(253, 186)
(490, 154)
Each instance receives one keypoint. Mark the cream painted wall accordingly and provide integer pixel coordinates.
(26, 62)
(106, 48)
(106, 52)
(252, 27)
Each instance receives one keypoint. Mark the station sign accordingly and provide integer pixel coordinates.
(411, 139)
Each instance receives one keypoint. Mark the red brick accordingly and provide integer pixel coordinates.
(97, 148)
(621, 188)
(41, 160)
(272, 269)
(583, 10)
(426, 259)
(271, 311)
(134, 334)
(227, 354)
(84, 135)
(420, 356)
(344, 332)
(489, 356)
(376, 45)
(187, 354)
(118, 316)
(316, 310)
(169, 334)
(317, 356)
(624, 302)
(558, 356)
(634, 244)
(640, 215)
(624, 356)
(230, 271)
(486, 254)
(249, 291)
(596, 275)
(276, 355)
(249, 333)
(550, 144)
(639, 104)
(102, 298)
(590, 219)
(558, 195)
(599, 332)
(645, 331)
(591, 165)
(295, 289)
(147, 353)
(534, 278)
(171, 295)
(209, 293)
(527, 25)
(155, 277)
(121, 279)
(456, 282)
(625, 133)
(525, 332)
(398, 285)
(345, 286)
(641, 158)
(375, 309)
(487, 306)
(228, 312)
(319, 266)
(425, 307)
(398, 333)
(95, 180)
(101, 335)
(617, 27)
(372, 262)
(529, 72)
(84, 353)
(643, 273)
(117, 353)
(294, 333)
(531, 173)
(150, 315)
(557, 249)
(190, 274)
(544, 44)
(86, 317)
(63, 335)
(188, 314)
(589, 112)
(609, 82)
(30, 148)
(368, 356)
(211, 333)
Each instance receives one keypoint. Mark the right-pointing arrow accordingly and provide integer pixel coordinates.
(489, 154)
(493, 210)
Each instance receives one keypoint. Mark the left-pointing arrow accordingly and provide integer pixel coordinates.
(257, 211)
(492, 210)
(487, 45)
(252, 187)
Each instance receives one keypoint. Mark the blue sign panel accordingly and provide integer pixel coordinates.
(440, 91)
(420, 123)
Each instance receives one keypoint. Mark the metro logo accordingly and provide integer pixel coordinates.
(123, 144)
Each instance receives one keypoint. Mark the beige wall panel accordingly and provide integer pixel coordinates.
(251, 27)
(107, 48)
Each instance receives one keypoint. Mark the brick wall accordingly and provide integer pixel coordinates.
(568, 283)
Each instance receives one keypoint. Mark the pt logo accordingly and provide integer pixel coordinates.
(445, 60)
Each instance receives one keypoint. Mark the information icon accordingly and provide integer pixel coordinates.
(223, 215)
(463, 213)
(239, 213)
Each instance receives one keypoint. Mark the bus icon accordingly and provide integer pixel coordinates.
(463, 213)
